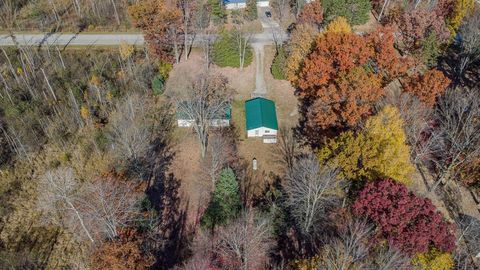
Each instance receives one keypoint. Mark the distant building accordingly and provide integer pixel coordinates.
(222, 120)
(261, 119)
(238, 4)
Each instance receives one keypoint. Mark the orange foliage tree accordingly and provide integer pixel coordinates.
(428, 86)
(312, 13)
(161, 23)
(343, 77)
(125, 253)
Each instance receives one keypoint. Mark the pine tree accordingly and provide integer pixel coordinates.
(225, 203)
(251, 10)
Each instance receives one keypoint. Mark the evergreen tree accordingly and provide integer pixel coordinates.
(278, 65)
(217, 10)
(251, 10)
(226, 51)
(355, 11)
(225, 203)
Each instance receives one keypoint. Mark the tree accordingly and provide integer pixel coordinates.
(407, 222)
(225, 203)
(338, 25)
(468, 47)
(251, 10)
(124, 253)
(455, 135)
(343, 77)
(434, 260)
(281, 8)
(59, 200)
(311, 191)
(300, 45)
(111, 205)
(232, 49)
(129, 128)
(376, 152)
(461, 9)
(355, 11)
(245, 243)
(207, 98)
(428, 86)
(217, 10)
(162, 24)
(416, 25)
(278, 64)
(312, 13)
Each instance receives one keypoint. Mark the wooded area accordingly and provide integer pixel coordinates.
(378, 170)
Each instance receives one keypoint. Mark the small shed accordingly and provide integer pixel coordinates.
(222, 120)
(261, 119)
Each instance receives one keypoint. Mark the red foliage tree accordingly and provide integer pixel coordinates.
(312, 13)
(410, 223)
(415, 25)
(428, 86)
(343, 77)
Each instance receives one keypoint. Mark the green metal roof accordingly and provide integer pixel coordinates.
(260, 112)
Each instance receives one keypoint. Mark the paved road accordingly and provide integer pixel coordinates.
(100, 39)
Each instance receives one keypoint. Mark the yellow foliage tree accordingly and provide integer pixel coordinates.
(433, 260)
(300, 46)
(126, 50)
(461, 9)
(379, 151)
(84, 112)
(338, 25)
(305, 264)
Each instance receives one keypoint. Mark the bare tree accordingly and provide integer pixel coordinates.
(389, 258)
(217, 158)
(469, 45)
(349, 249)
(246, 240)
(288, 148)
(468, 241)
(206, 99)
(128, 128)
(242, 39)
(281, 8)
(311, 191)
(110, 205)
(59, 200)
(456, 135)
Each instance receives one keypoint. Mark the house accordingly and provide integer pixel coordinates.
(261, 119)
(222, 120)
(238, 4)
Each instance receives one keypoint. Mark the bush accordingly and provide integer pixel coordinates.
(158, 85)
(226, 51)
(355, 11)
(278, 65)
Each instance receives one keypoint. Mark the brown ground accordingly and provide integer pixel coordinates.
(368, 27)
(186, 164)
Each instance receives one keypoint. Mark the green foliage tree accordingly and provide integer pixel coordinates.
(226, 50)
(158, 84)
(225, 203)
(251, 10)
(355, 11)
(430, 50)
(278, 64)
(379, 151)
(217, 10)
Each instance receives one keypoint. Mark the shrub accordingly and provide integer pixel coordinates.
(226, 52)
(158, 85)
(278, 65)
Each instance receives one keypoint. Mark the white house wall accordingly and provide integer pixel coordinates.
(213, 123)
(244, 5)
(259, 132)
